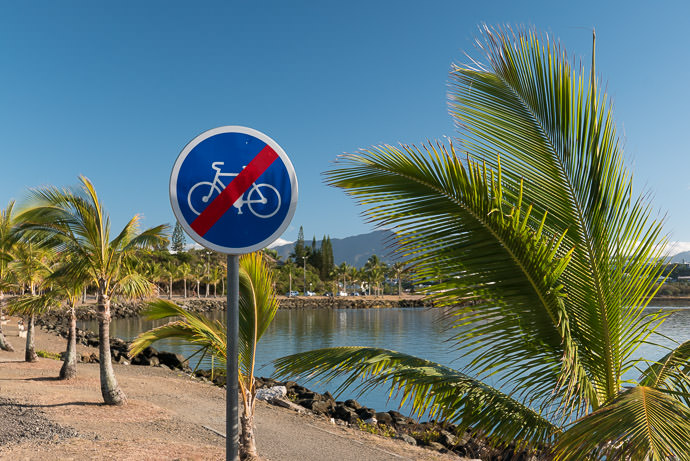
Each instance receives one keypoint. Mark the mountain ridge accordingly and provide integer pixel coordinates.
(354, 250)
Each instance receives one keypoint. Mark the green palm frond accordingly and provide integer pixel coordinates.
(35, 304)
(554, 130)
(671, 373)
(193, 328)
(459, 219)
(257, 305)
(642, 424)
(431, 388)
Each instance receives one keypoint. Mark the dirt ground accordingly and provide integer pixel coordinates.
(168, 416)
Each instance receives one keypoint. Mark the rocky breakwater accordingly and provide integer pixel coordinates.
(135, 308)
(442, 437)
(351, 302)
(118, 349)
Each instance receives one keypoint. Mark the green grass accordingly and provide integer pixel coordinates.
(48, 355)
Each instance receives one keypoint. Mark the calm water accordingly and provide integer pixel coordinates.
(415, 331)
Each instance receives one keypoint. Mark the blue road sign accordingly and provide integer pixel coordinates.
(233, 189)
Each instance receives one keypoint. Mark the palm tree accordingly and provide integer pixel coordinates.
(257, 305)
(215, 277)
(74, 222)
(170, 270)
(198, 275)
(398, 270)
(184, 271)
(7, 241)
(30, 266)
(69, 288)
(559, 295)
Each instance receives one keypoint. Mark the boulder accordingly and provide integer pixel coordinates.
(366, 413)
(447, 439)
(322, 406)
(384, 418)
(275, 392)
(154, 362)
(353, 404)
(141, 359)
(341, 411)
(171, 360)
(149, 352)
(408, 439)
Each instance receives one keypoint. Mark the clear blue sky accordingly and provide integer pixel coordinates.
(114, 90)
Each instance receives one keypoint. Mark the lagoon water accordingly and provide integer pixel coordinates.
(416, 331)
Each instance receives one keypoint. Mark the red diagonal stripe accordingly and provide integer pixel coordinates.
(238, 186)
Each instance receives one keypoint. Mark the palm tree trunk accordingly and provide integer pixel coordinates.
(247, 437)
(207, 289)
(185, 288)
(4, 344)
(110, 390)
(170, 291)
(69, 366)
(30, 354)
(198, 289)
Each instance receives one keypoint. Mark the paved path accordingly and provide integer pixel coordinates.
(169, 416)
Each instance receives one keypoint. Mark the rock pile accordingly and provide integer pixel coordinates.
(442, 437)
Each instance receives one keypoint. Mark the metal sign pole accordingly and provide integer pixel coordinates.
(232, 317)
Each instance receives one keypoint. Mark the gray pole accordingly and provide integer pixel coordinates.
(232, 438)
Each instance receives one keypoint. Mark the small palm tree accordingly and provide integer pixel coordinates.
(198, 275)
(399, 269)
(184, 271)
(8, 239)
(257, 304)
(557, 253)
(74, 223)
(215, 277)
(30, 267)
(170, 270)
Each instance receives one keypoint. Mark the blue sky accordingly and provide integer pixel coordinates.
(115, 90)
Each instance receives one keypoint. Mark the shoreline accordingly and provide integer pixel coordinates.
(127, 309)
(169, 415)
(345, 412)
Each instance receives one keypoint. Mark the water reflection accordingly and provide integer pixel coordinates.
(416, 331)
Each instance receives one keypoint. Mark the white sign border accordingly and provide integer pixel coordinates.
(176, 206)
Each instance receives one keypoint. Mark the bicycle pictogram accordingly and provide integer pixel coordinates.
(263, 200)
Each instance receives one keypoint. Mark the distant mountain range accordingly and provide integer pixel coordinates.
(683, 257)
(353, 250)
(357, 249)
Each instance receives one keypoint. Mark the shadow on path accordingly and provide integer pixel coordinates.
(52, 405)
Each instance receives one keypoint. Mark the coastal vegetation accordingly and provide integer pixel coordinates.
(74, 223)
(530, 215)
(257, 307)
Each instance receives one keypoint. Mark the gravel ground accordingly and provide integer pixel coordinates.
(21, 423)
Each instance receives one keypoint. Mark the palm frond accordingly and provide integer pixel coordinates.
(35, 304)
(641, 424)
(469, 224)
(671, 373)
(430, 388)
(554, 130)
(257, 305)
(193, 328)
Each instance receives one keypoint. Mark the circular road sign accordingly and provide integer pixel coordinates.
(233, 189)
